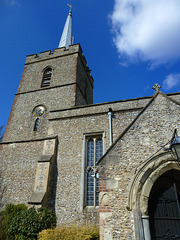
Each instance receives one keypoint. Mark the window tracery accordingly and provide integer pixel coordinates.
(94, 152)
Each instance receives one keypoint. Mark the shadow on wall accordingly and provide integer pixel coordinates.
(51, 191)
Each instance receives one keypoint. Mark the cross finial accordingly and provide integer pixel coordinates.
(156, 87)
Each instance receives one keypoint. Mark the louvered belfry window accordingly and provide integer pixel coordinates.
(46, 77)
(94, 152)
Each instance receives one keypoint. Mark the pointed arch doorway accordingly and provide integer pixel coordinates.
(164, 207)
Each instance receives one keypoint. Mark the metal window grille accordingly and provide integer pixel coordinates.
(46, 77)
(94, 152)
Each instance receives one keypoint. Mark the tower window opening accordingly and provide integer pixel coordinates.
(46, 77)
(36, 124)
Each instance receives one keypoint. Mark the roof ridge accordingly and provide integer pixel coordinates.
(129, 126)
(135, 119)
(169, 98)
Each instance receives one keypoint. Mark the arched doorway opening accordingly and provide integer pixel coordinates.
(164, 207)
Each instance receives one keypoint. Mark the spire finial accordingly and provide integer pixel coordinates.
(67, 37)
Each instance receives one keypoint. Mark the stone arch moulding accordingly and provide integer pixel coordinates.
(145, 178)
(45, 68)
(140, 189)
(39, 105)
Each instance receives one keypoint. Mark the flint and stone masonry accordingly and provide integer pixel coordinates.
(46, 165)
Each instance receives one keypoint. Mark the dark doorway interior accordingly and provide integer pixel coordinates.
(164, 210)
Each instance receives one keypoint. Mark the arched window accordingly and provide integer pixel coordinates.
(38, 112)
(36, 124)
(46, 77)
(164, 209)
(94, 152)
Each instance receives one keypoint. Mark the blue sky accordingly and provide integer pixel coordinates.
(129, 44)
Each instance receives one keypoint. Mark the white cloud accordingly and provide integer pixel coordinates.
(12, 3)
(149, 29)
(171, 81)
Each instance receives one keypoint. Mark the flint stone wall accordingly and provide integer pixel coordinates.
(152, 129)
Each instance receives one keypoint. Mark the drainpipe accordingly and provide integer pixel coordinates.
(111, 115)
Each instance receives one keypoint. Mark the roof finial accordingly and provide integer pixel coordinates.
(156, 87)
(67, 37)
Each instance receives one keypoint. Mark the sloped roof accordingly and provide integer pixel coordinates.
(136, 118)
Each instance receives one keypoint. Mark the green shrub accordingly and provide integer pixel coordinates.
(70, 233)
(7, 215)
(27, 223)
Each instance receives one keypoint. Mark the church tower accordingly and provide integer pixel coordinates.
(52, 121)
(51, 80)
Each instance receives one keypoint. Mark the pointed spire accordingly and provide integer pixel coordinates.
(66, 37)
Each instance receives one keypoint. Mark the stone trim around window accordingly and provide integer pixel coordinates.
(85, 168)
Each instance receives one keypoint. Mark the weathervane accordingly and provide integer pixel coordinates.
(156, 87)
(70, 6)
